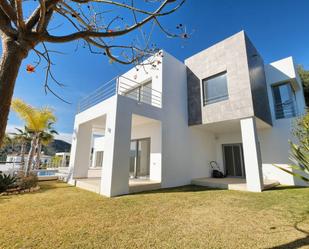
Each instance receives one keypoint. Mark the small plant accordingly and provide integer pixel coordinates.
(7, 182)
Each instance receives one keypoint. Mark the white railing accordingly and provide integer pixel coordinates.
(124, 86)
(102, 93)
(143, 93)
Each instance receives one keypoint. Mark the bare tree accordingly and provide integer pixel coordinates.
(94, 23)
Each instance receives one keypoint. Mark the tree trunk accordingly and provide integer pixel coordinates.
(12, 56)
(31, 155)
(38, 155)
(22, 154)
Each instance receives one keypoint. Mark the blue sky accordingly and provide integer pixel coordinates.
(278, 28)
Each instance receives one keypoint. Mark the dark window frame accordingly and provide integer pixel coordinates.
(294, 114)
(205, 102)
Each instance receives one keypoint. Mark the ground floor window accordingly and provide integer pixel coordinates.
(99, 159)
(140, 158)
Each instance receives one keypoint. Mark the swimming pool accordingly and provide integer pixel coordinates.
(47, 172)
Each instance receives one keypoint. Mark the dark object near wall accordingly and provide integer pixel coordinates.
(215, 170)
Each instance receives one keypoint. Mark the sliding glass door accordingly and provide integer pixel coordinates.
(233, 160)
(140, 158)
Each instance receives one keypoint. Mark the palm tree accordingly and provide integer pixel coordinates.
(45, 138)
(22, 137)
(37, 121)
(7, 142)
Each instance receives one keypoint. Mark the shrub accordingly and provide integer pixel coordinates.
(6, 182)
(27, 182)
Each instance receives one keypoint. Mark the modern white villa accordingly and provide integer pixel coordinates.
(160, 125)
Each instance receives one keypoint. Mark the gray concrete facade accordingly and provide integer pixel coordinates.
(247, 92)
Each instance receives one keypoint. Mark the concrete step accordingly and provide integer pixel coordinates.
(230, 183)
(268, 184)
(90, 185)
(135, 188)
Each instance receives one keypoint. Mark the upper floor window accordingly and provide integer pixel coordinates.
(215, 88)
(284, 101)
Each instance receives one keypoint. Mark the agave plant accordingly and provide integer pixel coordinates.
(6, 181)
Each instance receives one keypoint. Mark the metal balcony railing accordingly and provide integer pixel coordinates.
(143, 93)
(286, 109)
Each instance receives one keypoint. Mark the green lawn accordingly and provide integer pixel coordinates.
(61, 216)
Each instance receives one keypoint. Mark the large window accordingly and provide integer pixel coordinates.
(215, 88)
(284, 101)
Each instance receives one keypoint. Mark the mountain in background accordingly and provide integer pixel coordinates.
(57, 146)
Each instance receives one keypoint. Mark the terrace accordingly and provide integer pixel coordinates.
(121, 85)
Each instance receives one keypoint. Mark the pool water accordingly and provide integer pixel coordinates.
(47, 173)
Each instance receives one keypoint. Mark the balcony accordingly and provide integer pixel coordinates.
(142, 93)
(286, 109)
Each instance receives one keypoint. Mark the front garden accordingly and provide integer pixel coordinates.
(62, 216)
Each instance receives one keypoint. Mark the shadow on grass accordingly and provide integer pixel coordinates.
(181, 189)
(51, 185)
(5, 198)
(297, 243)
(283, 187)
(44, 187)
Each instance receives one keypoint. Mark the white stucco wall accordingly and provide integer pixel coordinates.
(185, 150)
(275, 150)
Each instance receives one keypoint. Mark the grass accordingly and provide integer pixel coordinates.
(61, 216)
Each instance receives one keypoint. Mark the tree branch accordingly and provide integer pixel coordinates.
(130, 7)
(8, 10)
(35, 16)
(5, 25)
(89, 33)
(41, 20)
(19, 14)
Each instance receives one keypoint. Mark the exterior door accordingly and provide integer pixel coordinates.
(140, 158)
(233, 160)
